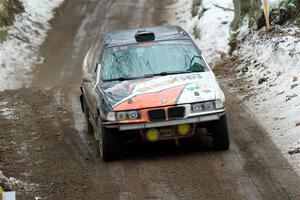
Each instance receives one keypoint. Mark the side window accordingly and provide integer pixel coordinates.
(96, 55)
(90, 58)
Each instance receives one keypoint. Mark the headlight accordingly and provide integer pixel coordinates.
(219, 104)
(128, 115)
(203, 106)
(209, 106)
(133, 114)
(121, 116)
(197, 107)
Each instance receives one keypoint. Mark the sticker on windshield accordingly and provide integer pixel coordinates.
(120, 48)
(176, 42)
(148, 44)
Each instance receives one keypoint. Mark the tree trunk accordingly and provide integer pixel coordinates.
(242, 8)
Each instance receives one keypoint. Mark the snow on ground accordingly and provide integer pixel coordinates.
(20, 52)
(210, 27)
(273, 60)
(272, 68)
(274, 3)
(6, 112)
(14, 183)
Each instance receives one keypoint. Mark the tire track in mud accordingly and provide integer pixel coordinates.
(136, 181)
(38, 136)
(45, 140)
(130, 182)
(63, 160)
(156, 188)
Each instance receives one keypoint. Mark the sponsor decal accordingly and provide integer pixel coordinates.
(147, 100)
(176, 42)
(156, 85)
(167, 82)
(194, 92)
(161, 91)
(202, 87)
(123, 48)
(120, 48)
(148, 44)
(188, 77)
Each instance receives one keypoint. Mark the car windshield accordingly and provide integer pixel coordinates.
(151, 59)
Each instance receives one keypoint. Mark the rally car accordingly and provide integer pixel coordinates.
(152, 83)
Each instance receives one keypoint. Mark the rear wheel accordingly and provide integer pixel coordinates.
(108, 142)
(220, 133)
(90, 128)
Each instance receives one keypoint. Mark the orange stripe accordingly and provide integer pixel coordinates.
(157, 99)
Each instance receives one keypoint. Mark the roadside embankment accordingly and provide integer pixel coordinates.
(25, 33)
(261, 68)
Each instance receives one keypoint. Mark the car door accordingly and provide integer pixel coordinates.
(96, 97)
(87, 75)
(91, 86)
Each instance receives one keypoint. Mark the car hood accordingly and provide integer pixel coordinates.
(158, 91)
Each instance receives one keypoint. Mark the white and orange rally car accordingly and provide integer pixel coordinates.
(151, 82)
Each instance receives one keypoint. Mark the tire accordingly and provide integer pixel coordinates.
(90, 129)
(220, 133)
(108, 142)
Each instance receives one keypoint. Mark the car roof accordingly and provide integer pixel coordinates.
(161, 33)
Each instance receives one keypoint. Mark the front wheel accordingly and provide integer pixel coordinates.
(108, 142)
(220, 133)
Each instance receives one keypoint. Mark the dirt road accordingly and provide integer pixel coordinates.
(43, 140)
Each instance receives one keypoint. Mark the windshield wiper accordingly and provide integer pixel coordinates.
(166, 73)
(148, 75)
(121, 79)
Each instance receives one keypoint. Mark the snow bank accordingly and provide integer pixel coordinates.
(274, 2)
(14, 183)
(272, 69)
(20, 52)
(210, 27)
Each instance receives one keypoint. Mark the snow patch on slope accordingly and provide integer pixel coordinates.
(14, 183)
(274, 3)
(20, 52)
(210, 27)
(272, 69)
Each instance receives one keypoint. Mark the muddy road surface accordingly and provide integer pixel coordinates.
(44, 144)
(76, 26)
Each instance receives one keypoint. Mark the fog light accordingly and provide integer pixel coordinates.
(184, 129)
(152, 135)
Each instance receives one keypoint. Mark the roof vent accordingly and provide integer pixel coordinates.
(144, 36)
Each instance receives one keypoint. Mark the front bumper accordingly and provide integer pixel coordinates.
(190, 120)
